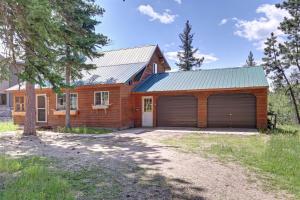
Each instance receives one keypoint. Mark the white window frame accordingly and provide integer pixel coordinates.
(154, 68)
(46, 109)
(70, 101)
(101, 98)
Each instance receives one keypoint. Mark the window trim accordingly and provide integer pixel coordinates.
(46, 109)
(15, 105)
(77, 108)
(95, 92)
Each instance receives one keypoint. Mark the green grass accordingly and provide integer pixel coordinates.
(7, 126)
(276, 154)
(39, 178)
(93, 183)
(31, 178)
(83, 130)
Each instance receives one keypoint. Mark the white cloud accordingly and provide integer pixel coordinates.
(166, 17)
(178, 1)
(208, 58)
(223, 21)
(257, 30)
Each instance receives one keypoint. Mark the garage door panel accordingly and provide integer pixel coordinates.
(232, 110)
(177, 111)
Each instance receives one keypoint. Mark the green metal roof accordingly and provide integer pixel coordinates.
(240, 77)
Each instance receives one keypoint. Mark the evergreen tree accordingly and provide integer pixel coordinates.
(39, 32)
(186, 54)
(276, 65)
(250, 60)
(291, 26)
(81, 41)
(30, 32)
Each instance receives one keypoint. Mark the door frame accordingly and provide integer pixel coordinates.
(143, 102)
(37, 109)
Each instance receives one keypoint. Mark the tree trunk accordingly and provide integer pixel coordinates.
(30, 117)
(68, 104)
(295, 104)
(292, 95)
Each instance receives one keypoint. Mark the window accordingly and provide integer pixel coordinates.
(19, 104)
(154, 67)
(2, 99)
(147, 104)
(61, 102)
(101, 98)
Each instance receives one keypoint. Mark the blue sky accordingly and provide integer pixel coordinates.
(225, 31)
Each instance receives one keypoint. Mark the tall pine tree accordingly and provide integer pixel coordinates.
(276, 67)
(186, 54)
(250, 60)
(81, 41)
(30, 32)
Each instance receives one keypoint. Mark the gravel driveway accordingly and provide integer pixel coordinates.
(145, 168)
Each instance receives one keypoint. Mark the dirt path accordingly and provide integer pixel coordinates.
(145, 168)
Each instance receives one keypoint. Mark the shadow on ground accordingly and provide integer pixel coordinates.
(128, 161)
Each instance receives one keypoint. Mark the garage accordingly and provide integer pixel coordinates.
(231, 110)
(177, 111)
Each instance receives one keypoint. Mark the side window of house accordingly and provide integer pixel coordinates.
(101, 98)
(154, 67)
(61, 102)
(3, 99)
(19, 104)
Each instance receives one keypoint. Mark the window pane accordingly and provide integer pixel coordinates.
(17, 99)
(104, 98)
(19, 104)
(2, 99)
(18, 107)
(73, 102)
(41, 115)
(148, 105)
(61, 102)
(98, 98)
(41, 102)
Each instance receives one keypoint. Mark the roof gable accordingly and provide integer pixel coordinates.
(118, 66)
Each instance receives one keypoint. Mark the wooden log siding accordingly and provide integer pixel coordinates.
(261, 95)
(118, 115)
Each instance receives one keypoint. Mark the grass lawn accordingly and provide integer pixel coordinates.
(83, 130)
(276, 155)
(7, 126)
(38, 178)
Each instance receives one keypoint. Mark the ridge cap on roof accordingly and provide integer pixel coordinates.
(121, 64)
(199, 70)
(127, 48)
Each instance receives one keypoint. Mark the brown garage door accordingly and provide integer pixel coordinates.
(232, 110)
(177, 111)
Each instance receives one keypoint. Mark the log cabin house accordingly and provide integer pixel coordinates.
(132, 88)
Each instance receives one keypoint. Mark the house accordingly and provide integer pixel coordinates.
(6, 99)
(132, 88)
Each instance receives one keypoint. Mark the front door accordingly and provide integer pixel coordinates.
(41, 111)
(147, 114)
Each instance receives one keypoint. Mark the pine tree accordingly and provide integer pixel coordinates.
(276, 65)
(30, 32)
(81, 42)
(250, 60)
(291, 26)
(186, 54)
